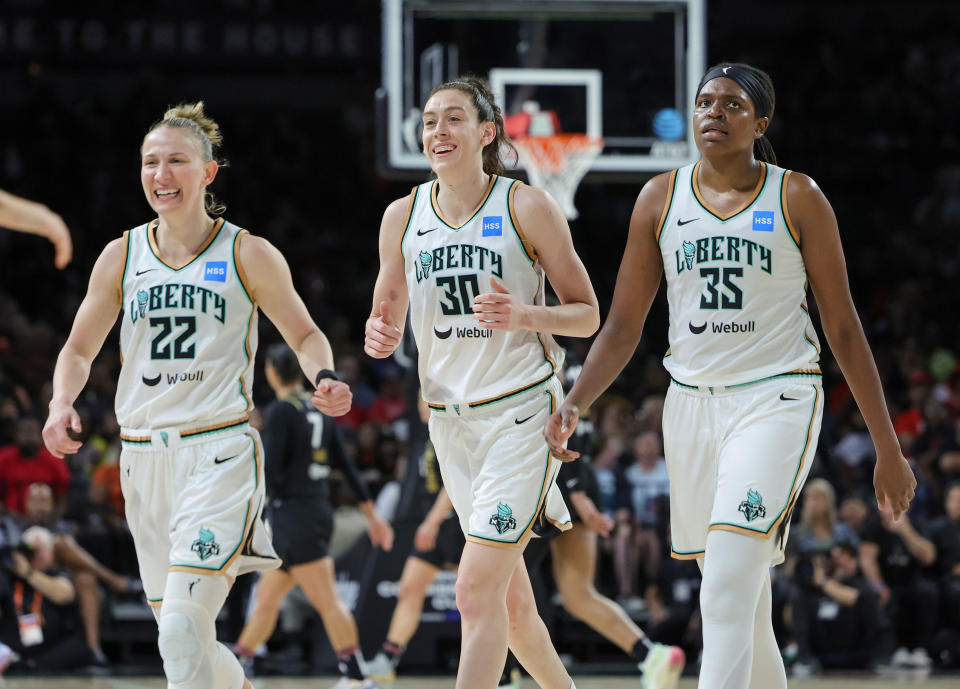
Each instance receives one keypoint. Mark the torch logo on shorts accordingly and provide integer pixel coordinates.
(205, 546)
(503, 520)
(752, 507)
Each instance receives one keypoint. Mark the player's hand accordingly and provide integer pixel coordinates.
(59, 236)
(332, 397)
(593, 519)
(425, 539)
(381, 335)
(381, 533)
(893, 483)
(62, 419)
(498, 310)
(559, 428)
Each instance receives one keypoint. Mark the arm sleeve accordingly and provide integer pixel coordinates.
(339, 459)
(277, 425)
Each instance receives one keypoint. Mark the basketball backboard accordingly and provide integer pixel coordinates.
(623, 70)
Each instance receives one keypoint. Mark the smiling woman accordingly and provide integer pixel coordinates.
(487, 359)
(191, 284)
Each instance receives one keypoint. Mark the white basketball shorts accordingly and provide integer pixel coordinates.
(737, 458)
(194, 501)
(497, 468)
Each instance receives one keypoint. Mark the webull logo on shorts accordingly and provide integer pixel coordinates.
(503, 520)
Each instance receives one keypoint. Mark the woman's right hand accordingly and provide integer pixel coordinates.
(382, 336)
(425, 539)
(560, 427)
(62, 419)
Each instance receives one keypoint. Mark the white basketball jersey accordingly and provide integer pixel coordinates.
(736, 285)
(446, 267)
(188, 336)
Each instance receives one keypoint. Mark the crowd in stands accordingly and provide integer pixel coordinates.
(856, 591)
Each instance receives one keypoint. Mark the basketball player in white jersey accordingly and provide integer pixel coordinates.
(468, 253)
(738, 239)
(189, 285)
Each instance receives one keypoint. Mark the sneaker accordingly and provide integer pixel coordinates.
(662, 667)
(381, 669)
(919, 658)
(900, 658)
(347, 683)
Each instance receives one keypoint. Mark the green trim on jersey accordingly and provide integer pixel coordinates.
(673, 197)
(516, 233)
(783, 213)
(192, 260)
(406, 228)
(489, 193)
(253, 310)
(766, 180)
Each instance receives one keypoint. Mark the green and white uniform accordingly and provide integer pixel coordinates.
(490, 392)
(191, 466)
(742, 415)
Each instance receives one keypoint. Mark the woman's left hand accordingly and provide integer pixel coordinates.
(381, 534)
(498, 310)
(332, 397)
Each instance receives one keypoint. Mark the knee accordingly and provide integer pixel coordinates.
(719, 602)
(411, 588)
(475, 596)
(85, 582)
(185, 634)
(576, 599)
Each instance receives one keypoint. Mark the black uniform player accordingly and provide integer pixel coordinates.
(301, 447)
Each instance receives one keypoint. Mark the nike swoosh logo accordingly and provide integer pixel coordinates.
(520, 421)
(441, 334)
(420, 233)
(150, 381)
(697, 329)
(217, 460)
(141, 272)
(788, 399)
(681, 223)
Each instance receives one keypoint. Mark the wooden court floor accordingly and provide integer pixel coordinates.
(583, 682)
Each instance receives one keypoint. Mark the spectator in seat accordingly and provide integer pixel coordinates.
(38, 616)
(26, 462)
(892, 557)
(837, 616)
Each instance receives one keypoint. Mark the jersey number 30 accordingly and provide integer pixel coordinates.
(458, 302)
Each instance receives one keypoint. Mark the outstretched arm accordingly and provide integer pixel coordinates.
(822, 251)
(35, 218)
(637, 283)
(95, 317)
(271, 287)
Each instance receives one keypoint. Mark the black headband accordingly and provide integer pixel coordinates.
(748, 81)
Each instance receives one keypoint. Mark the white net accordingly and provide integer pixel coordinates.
(557, 163)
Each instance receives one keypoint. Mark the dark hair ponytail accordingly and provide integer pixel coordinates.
(488, 111)
(285, 362)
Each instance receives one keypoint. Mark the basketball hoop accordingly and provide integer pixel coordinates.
(558, 162)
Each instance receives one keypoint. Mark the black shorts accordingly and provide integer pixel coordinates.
(301, 528)
(449, 545)
(588, 484)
